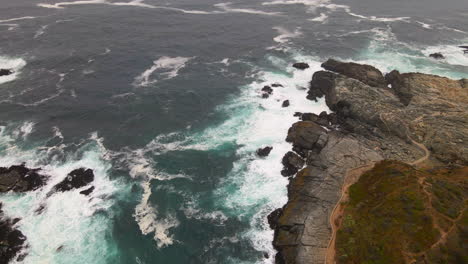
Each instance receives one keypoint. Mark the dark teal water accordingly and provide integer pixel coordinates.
(161, 99)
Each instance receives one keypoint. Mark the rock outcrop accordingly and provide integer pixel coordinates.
(301, 65)
(437, 56)
(20, 179)
(263, 152)
(4, 72)
(11, 239)
(75, 179)
(422, 119)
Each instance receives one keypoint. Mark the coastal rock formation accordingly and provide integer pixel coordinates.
(4, 72)
(301, 65)
(421, 120)
(292, 163)
(11, 239)
(285, 103)
(263, 152)
(75, 179)
(20, 179)
(437, 56)
(365, 73)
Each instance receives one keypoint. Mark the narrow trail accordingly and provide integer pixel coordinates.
(351, 177)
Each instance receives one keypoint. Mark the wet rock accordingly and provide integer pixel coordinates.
(4, 72)
(298, 114)
(267, 89)
(19, 178)
(273, 218)
(292, 163)
(437, 56)
(276, 85)
(263, 152)
(362, 72)
(75, 179)
(87, 191)
(285, 103)
(301, 65)
(309, 117)
(305, 134)
(11, 239)
(265, 95)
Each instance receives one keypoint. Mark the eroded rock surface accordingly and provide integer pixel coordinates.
(421, 118)
(19, 178)
(11, 239)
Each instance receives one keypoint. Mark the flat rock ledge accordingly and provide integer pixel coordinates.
(420, 113)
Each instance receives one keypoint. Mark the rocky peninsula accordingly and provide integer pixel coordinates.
(411, 128)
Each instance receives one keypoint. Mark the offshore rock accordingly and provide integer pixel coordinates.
(19, 178)
(75, 179)
(263, 152)
(437, 56)
(4, 72)
(285, 103)
(301, 65)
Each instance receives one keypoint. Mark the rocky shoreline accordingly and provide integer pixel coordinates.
(21, 179)
(409, 117)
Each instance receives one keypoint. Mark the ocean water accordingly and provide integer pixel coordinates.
(162, 100)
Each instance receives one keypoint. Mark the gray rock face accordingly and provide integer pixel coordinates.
(292, 163)
(306, 134)
(373, 123)
(20, 179)
(364, 73)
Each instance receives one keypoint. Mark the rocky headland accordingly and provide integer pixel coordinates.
(409, 124)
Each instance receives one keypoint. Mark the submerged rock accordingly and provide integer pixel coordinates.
(263, 152)
(267, 89)
(276, 85)
(75, 179)
(437, 56)
(301, 65)
(4, 72)
(19, 178)
(364, 73)
(11, 239)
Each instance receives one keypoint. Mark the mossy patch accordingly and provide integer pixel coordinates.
(398, 214)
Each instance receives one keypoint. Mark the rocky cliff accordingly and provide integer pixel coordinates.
(415, 118)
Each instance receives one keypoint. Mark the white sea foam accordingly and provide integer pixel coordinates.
(40, 31)
(311, 4)
(453, 54)
(226, 7)
(17, 19)
(14, 64)
(24, 130)
(285, 34)
(321, 18)
(167, 67)
(69, 228)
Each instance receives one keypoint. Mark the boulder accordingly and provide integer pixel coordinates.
(267, 89)
(306, 135)
(75, 179)
(301, 65)
(292, 164)
(362, 72)
(309, 117)
(4, 72)
(87, 191)
(263, 152)
(285, 103)
(437, 56)
(19, 178)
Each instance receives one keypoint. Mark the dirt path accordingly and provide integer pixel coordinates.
(351, 177)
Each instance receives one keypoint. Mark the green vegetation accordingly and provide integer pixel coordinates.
(398, 214)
